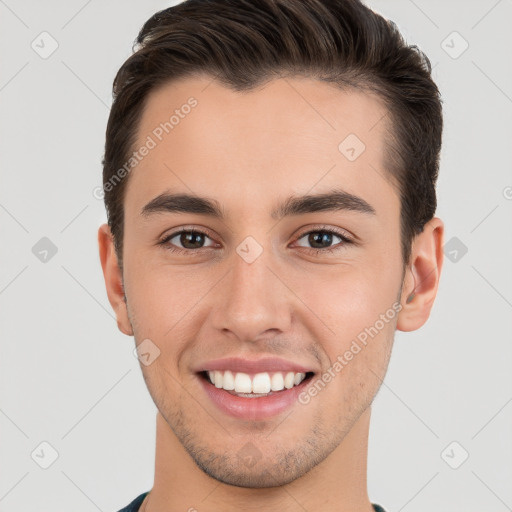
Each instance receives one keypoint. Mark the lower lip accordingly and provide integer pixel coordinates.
(253, 408)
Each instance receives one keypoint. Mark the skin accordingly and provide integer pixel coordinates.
(251, 151)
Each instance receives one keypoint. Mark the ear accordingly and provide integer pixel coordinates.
(113, 279)
(422, 276)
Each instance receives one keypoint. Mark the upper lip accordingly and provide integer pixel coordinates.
(265, 364)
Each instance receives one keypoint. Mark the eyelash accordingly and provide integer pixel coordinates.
(344, 238)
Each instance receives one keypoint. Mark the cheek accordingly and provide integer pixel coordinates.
(165, 307)
(344, 301)
(352, 333)
(160, 295)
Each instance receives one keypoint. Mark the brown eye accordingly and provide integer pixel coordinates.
(196, 240)
(321, 240)
(185, 240)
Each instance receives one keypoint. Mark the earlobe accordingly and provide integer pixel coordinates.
(113, 279)
(422, 276)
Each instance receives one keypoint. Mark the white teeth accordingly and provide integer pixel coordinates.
(228, 382)
(277, 382)
(218, 379)
(289, 380)
(243, 383)
(260, 383)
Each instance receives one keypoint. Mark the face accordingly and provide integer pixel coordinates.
(259, 280)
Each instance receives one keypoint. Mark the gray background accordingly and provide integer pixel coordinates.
(69, 378)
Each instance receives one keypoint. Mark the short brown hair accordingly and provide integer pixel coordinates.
(245, 43)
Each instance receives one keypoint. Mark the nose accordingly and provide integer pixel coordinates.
(252, 300)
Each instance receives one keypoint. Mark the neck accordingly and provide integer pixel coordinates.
(336, 484)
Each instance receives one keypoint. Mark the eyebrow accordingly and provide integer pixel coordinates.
(335, 200)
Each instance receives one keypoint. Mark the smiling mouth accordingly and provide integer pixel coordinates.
(257, 385)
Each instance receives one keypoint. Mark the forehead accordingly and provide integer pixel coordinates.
(291, 135)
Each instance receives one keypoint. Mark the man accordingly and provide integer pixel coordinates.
(269, 178)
